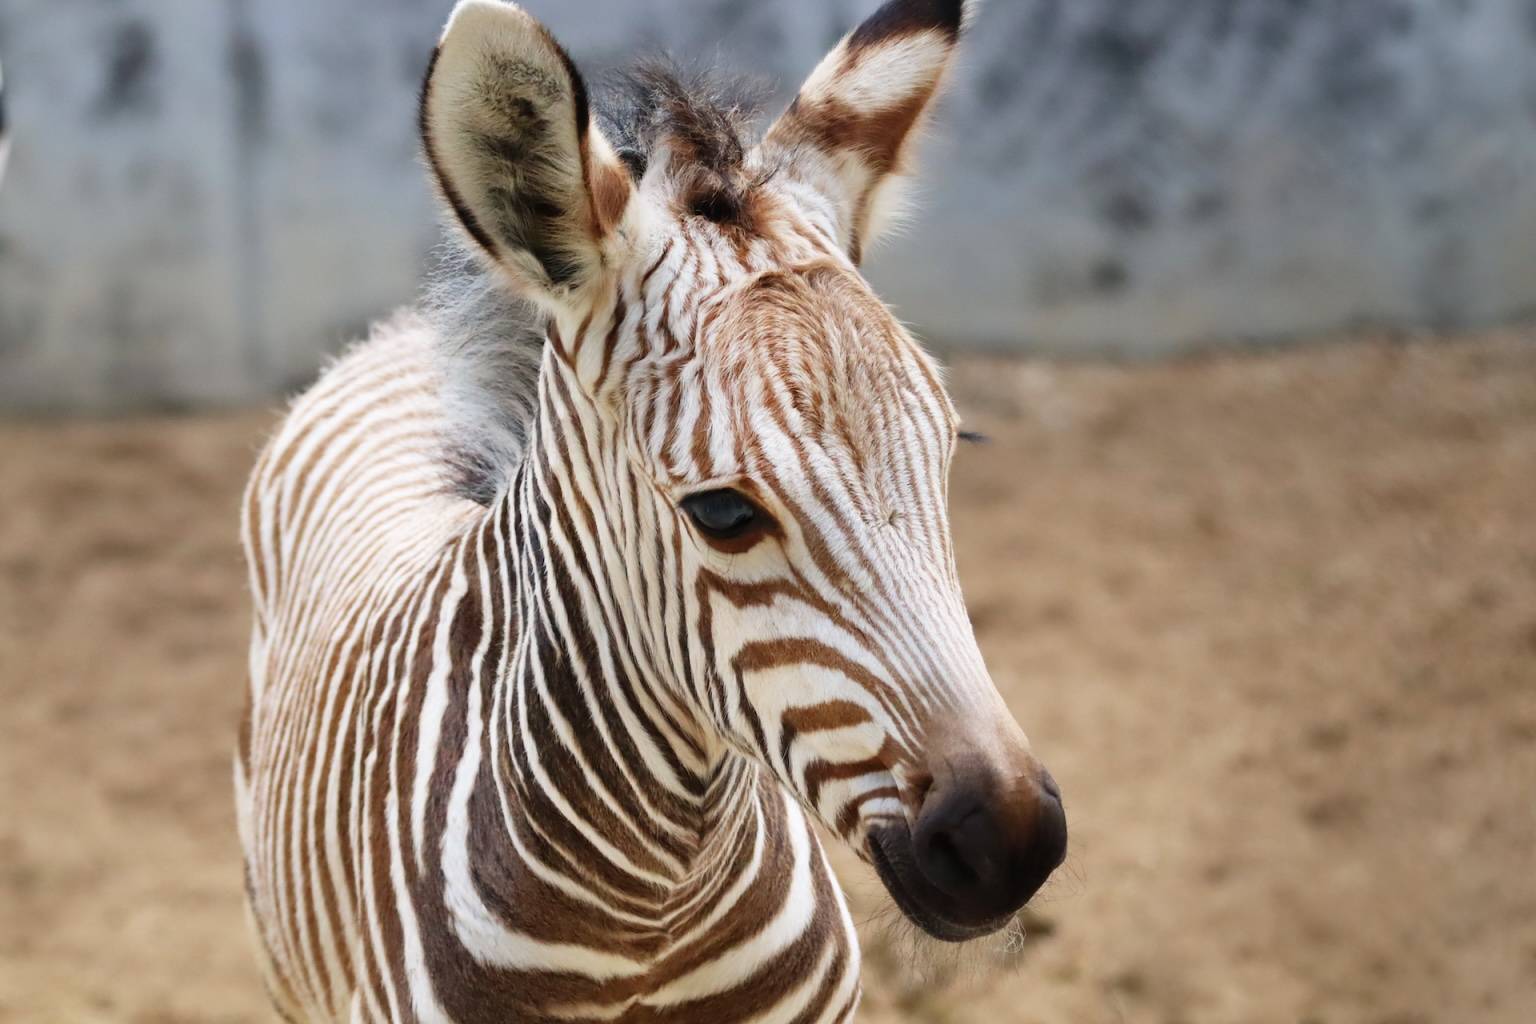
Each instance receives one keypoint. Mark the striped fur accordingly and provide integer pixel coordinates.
(536, 748)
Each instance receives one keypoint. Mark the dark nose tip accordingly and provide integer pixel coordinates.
(990, 853)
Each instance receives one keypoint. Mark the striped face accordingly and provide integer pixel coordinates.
(799, 444)
(761, 449)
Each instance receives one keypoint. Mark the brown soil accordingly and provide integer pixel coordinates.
(1270, 619)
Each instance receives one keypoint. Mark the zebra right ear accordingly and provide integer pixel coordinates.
(509, 138)
(851, 126)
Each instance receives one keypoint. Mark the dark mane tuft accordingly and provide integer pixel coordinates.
(702, 118)
(702, 113)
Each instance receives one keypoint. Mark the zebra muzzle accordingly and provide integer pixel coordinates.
(981, 847)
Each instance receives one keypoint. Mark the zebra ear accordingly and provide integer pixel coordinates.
(850, 128)
(509, 138)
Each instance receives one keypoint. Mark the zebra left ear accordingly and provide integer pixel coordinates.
(509, 138)
(851, 126)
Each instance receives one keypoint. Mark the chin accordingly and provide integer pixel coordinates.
(934, 912)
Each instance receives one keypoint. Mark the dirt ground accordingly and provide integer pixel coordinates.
(1269, 618)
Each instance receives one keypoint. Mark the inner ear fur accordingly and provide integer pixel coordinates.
(507, 131)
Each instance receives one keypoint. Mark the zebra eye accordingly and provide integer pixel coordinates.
(724, 514)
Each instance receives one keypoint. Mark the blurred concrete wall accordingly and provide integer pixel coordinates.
(205, 196)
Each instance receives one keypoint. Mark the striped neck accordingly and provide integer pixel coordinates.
(639, 859)
(622, 788)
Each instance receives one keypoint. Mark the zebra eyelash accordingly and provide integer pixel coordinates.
(974, 437)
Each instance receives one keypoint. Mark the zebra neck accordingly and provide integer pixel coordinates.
(583, 839)
(624, 825)
(608, 766)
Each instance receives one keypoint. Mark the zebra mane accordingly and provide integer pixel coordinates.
(489, 342)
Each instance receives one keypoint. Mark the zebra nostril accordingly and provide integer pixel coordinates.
(945, 865)
(959, 847)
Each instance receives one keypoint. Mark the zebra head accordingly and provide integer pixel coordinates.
(757, 448)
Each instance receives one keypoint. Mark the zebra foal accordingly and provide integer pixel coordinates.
(580, 592)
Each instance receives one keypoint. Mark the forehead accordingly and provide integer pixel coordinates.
(813, 348)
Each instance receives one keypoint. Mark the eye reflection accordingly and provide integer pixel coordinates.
(723, 514)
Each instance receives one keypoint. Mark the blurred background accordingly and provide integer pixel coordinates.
(1240, 288)
(204, 198)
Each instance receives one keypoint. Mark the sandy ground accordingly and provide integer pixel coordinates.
(1270, 619)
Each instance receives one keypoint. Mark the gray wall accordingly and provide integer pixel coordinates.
(205, 196)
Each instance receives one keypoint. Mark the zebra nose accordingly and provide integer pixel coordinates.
(990, 847)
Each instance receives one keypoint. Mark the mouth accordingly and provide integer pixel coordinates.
(891, 851)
